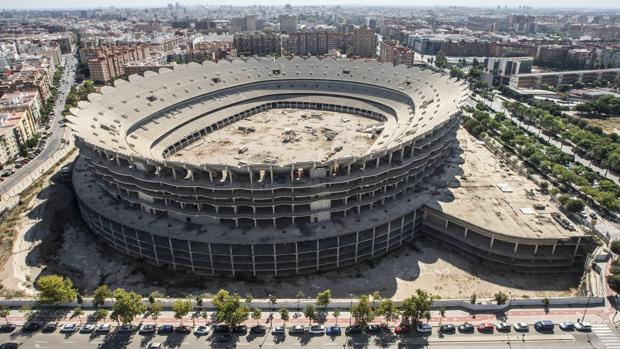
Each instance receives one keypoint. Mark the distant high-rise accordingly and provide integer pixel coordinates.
(288, 23)
(364, 42)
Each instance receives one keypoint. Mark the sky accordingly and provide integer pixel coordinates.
(37, 4)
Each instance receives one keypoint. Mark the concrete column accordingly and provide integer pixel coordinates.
(174, 173)
(402, 153)
(378, 160)
(292, 173)
(154, 249)
(191, 257)
(271, 173)
(492, 241)
(338, 253)
(390, 159)
(211, 260)
(553, 250)
(232, 261)
(535, 249)
(465, 233)
(348, 169)
(577, 246)
(516, 247)
(374, 233)
(253, 261)
(317, 255)
(210, 176)
(251, 175)
(296, 258)
(446, 226)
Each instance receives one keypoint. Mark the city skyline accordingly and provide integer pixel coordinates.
(70, 4)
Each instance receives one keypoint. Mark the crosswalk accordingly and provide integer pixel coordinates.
(610, 338)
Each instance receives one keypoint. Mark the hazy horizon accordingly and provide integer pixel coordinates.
(85, 4)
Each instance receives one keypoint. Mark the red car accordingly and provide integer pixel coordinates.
(486, 327)
(402, 329)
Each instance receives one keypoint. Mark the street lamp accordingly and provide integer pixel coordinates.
(586, 309)
(351, 310)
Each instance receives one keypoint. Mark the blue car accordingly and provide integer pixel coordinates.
(333, 331)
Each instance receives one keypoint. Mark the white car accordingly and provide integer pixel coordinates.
(104, 328)
(424, 328)
(521, 327)
(154, 345)
(502, 326)
(317, 329)
(202, 330)
(68, 328)
(583, 326)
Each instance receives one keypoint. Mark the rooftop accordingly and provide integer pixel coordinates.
(491, 195)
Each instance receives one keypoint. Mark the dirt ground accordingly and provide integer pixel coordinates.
(53, 239)
(609, 125)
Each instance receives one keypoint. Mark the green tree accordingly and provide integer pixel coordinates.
(613, 281)
(100, 314)
(5, 312)
(256, 315)
(127, 305)
(299, 296)
(248, 299)
(198, 300)
(26, 309)
(55, 289)
(417, 307)
(228, 308)
(155, 311)
(284, 315)
(336, 315)
(362, 311)
(376, 300)
(272, 300)
(473, 298)
(501, 297)
(323, 298)
(615, 246)
(77, 312)
(310, 312)
(575, 205)
(388, 310)
(99, 296)
(181, 308)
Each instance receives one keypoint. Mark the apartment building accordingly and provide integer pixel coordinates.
(256, 43)
(22, 100)
(107, 63)
(16, 127)
(391, 51)
(316, 43)
(364, 42)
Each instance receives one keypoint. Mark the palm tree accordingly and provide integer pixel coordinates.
(77, 311)
(336, 315)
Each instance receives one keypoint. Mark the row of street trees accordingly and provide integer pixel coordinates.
(546, 158)
(230, 309)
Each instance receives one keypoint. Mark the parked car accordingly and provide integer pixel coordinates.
(353, 330)
(8, 327)
(154, 345)
(424, 327)
(49, 327)
(183, 329)
(402, 329)
(333, 331)
(221, 329)
(447, 328)
(583, 326)
(278, 331)
(68, 328)
(317, 329)
(147, 329)
(126, 328)
(503, 327)
(373, 329)
(202, 330)
(567, 326)
(521, 327)
(31, 326)
(297, 329)
(104, 328)
(165, 329)
(544, 325)
(486, 327)
(240, 329)
(88, 328)
(258, 329)
(9, 345)
(466, 328)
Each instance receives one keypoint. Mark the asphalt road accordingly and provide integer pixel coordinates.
(558, 340)
(54, 141)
